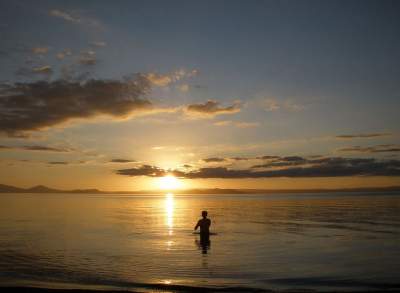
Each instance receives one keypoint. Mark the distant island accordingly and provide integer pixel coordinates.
(44, 189)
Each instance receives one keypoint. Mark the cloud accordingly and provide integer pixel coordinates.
(247, 124)
(382, 148)
(362, 135)
(37, 148)
(40, 50)
(293, 106)
(184, 88)
(30, 106)
(268, 157)
(158, 79)
(66, 163)
(30, 72)
(272, 104)
(163, 80)
(75, 17)
(88, 58)
(144, 170)
(283, 162)
(241, 158)
(58, 163)
(61, 55)
(122, 161)
(214, 160)
(64, 15)
(45, 148)
(43, 70)
(325, 167)
(223, 123)
(242, 124)
(210, 109)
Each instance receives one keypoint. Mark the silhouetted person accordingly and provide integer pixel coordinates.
(204, 225)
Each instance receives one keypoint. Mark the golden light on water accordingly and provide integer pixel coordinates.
(169, 212)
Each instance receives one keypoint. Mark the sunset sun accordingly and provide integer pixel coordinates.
(169, 182)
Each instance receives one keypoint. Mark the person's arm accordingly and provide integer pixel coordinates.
(197, 225)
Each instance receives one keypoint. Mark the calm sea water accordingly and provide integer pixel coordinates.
(286, 241)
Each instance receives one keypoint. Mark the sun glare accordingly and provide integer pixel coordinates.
(169, 182)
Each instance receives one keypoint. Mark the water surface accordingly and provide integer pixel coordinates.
(286, 241)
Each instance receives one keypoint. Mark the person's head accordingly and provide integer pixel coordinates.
(204, 214)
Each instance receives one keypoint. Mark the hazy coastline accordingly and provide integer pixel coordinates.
(44, 189)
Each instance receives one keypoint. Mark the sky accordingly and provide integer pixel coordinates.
(118, 95)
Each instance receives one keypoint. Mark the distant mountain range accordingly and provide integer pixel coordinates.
(44, 189)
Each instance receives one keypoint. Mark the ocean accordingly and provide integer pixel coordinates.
(319, 241)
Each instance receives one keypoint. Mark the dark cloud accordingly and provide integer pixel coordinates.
(145, 170)
(38, 148)
(324, 167)
(362, 135)
(45, 148)
(211, 108)
(382, 148)
(292, 159)
(277, 161)
(121, 161)
(240, 159)
(287, 161)
(268, 157)
(58, 163)
(36, 105)
(214, 160)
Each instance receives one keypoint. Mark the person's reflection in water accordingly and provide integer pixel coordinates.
(204, 225)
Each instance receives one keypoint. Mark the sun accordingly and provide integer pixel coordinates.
(169, 182)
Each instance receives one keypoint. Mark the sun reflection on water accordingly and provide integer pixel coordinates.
(169, 211)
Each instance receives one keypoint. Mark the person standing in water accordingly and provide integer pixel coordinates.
(204, 225)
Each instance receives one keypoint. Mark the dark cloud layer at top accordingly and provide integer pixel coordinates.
(304, 168)
(36, 105)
